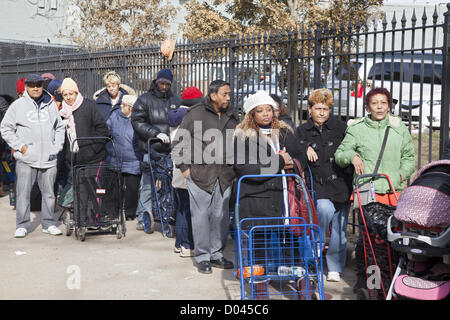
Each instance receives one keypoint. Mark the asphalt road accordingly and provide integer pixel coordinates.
(138, 266)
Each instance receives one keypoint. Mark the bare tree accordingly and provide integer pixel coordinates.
(120, 23)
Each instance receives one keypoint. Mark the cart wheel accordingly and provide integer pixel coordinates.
(82, 233)
(170, 233)
(119, 231)
(148, 220)
(362, 294)
(67, 222)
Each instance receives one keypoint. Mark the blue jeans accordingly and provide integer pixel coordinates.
(183, 227)
(336, 214)
(145, 193)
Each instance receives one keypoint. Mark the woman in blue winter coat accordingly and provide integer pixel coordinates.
(127, 152)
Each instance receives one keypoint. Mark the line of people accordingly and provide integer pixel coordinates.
(43, 123)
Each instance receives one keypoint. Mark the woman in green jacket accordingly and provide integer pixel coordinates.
(361, 147)
(363, 140)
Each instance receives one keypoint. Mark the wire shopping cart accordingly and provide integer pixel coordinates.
(274, 261)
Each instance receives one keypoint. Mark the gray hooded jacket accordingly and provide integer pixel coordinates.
(38, 127)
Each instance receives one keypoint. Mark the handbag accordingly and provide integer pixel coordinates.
(367, 189)
(297, 202)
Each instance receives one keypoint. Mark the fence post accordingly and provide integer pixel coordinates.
(231, 69)
(445, 92)
(317, 56)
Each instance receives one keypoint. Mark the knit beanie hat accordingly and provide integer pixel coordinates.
(48, 76)
(191, 96)
(261, 97)
(20, 85)
(164, 75)
(53, 86)
(69, 84)
(175, 117)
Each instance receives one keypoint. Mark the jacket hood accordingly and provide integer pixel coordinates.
(122, 87)
(46, 97)
(246, 133)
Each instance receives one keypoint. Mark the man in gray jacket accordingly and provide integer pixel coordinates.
(208, 178)
(34, 129)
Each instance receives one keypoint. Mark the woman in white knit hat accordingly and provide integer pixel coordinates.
(263, 144)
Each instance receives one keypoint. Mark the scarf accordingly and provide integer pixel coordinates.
(274, 143)
(67, 114)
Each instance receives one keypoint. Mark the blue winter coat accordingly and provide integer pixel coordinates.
(126, 142)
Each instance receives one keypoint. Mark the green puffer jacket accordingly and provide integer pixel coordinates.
(364, 137)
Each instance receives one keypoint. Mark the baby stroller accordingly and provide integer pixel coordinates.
(94, 199)
(419, 231)
(375, 258)
(162, 191)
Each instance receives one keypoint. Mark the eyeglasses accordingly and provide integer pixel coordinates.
(35, 84)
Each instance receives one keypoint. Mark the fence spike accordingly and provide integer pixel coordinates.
(384, 23)
(413, 18)
(435, 15)
(403, 21)
(394, 21)
(424, 16)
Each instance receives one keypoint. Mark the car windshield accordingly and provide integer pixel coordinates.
(397, 71)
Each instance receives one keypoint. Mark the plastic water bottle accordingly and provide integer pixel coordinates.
(291, 271)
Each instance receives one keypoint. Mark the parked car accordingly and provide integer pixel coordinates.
(415, 87)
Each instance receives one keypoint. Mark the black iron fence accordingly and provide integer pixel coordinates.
(408, 55)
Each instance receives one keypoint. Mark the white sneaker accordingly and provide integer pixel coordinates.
(176, 249)
(20, 233)
(333, 276)
(53, 230)
(186, 252)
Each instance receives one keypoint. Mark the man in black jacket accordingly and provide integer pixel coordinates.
(149, 120)
(208, 172)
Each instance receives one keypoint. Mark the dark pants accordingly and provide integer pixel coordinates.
(62, 173)
(183, 227)
(131, 195)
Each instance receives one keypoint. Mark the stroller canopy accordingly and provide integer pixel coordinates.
(426, 201)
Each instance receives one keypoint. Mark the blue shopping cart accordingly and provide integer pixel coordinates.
(274, 262)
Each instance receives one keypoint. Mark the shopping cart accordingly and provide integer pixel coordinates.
(163, 209)
(379, 258)
(274, 262)
(97, 195)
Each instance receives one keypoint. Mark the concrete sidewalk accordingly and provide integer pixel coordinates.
(138, 266)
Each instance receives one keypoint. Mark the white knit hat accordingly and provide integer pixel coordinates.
(261, 97)
(129, 99)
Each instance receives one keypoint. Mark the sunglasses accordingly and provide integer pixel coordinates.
(35, 84)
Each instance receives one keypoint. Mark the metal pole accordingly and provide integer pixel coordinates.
(445, 99)
(317, 55)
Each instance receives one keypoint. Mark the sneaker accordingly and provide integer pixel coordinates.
(54, 231)
(20, 233)
(186, 252)
(140, 226)
(176, 249)
(333, 276)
